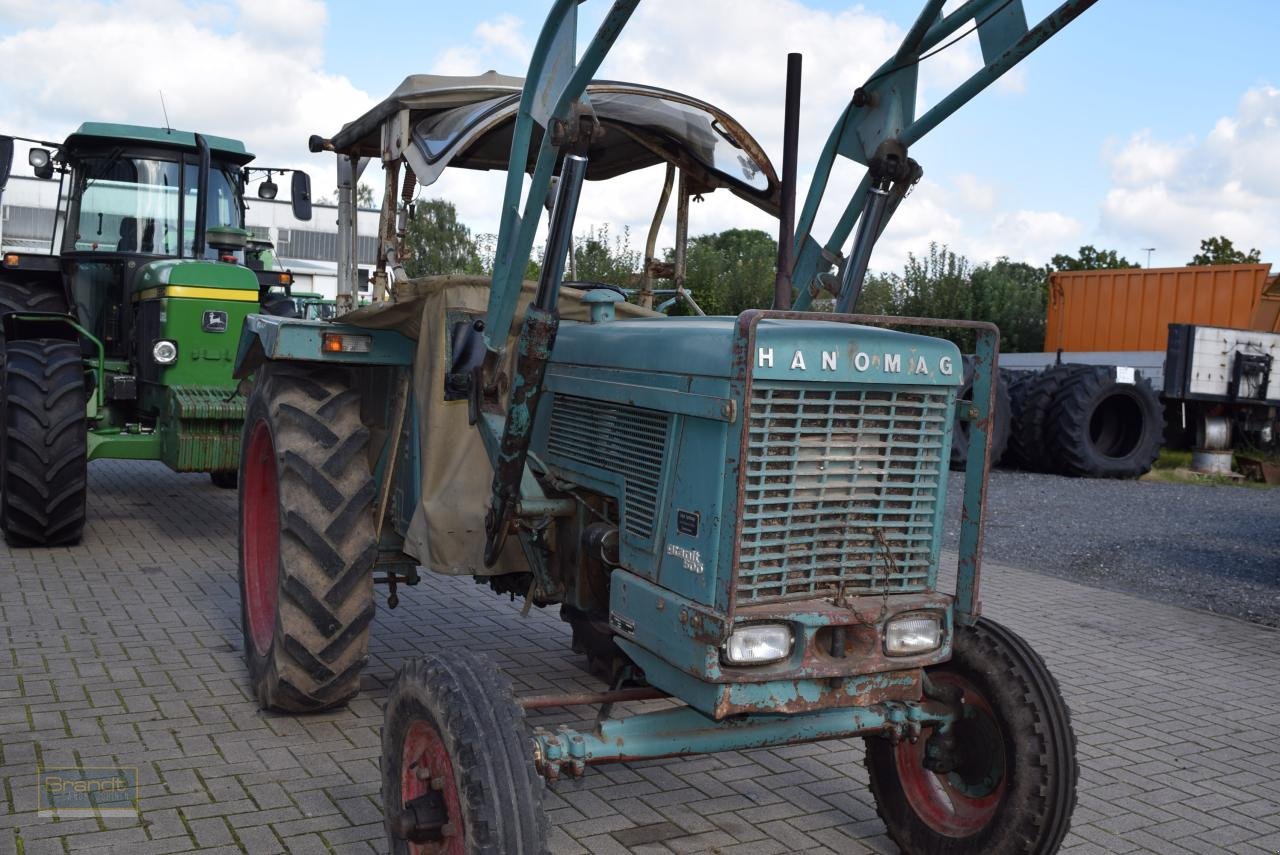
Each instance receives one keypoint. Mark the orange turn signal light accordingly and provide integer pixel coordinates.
(343, 343)
(12, 259)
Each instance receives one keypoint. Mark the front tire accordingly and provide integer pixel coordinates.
(1013, 787)
(43, 481)
(307, 539)
(457, 761)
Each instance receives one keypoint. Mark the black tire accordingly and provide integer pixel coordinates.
(307, 539)
(1027, 441)
(999, 426)
(43, 482)
(31, 297)
(480, 777)
(225, 480)
(1016, 731)
(1097, 427)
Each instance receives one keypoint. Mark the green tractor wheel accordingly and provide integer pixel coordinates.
(1007, 782)
(307, 539)
(43, 481)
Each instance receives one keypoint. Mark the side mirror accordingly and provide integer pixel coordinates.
(267, 189)
(300, 195)
(41, 162)
(6, 160)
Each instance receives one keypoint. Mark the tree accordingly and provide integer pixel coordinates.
(595, 260)
(1219, 250)
(1090, 258)
(1013, 296)
(436, 242)
(730, 271)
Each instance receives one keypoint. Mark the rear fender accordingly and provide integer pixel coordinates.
(266, 338)
(29, 325)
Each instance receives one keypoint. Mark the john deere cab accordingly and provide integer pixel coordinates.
(119, 339)
(740, 516)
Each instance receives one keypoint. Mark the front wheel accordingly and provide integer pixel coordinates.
(1011, 784)
(457, 761)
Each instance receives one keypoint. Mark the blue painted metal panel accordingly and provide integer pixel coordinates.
(268, 337)
(678, 731)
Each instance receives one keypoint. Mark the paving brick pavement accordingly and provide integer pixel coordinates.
(126, 651)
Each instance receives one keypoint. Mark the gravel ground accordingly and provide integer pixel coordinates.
(1209, 547)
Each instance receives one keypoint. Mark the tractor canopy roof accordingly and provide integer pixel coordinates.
(468, 122)
(98, 134)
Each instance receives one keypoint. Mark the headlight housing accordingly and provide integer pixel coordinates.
(757, 644)
(164, 352)
(913, 634)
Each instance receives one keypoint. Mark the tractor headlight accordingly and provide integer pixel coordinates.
(758, 644)
(912, 634)
(164, 352)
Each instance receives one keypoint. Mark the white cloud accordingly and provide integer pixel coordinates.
(1173, 194)
(499, 44)
(254, 72)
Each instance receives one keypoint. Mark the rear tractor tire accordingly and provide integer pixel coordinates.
(225, 480)
(1010, 784)
(457, 761)
(1099, 427)
(1032, 397)
(43, 482)
(307, 539)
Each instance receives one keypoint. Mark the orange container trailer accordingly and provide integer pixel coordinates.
(1131, 309)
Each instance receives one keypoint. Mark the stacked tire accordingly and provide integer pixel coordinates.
(1088, 421)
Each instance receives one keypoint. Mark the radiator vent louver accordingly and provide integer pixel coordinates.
(841, 492)
(628, 441)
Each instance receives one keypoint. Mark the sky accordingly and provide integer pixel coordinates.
(1144, 124)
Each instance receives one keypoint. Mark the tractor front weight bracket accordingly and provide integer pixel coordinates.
(683, 730)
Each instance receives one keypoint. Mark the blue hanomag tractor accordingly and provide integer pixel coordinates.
(740, 514)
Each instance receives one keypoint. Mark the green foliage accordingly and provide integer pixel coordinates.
(1090, 258)
(1013, 296)
(731, 271)
(941, 284)
(597, 259)
(436, 242)
(1220, 250)
(364, 197)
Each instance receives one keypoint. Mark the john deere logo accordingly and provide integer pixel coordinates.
(214, 322)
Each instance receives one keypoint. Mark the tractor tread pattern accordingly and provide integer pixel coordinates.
(328, 540)
(1041, 797)
(472, 707)
(45, 443)
(1031, 397)
(1068, 430)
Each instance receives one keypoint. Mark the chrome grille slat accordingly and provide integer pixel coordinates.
(627, 441)
(832, 478)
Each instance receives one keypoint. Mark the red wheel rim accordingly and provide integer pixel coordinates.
(260, 537)
(424, 763)
(956, 805)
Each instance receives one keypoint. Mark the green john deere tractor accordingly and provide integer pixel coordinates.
(119, 340)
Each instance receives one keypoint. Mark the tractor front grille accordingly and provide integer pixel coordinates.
(841, 491)
(630, 442)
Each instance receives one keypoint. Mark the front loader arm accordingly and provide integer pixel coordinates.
(879, 126)
(553, 97)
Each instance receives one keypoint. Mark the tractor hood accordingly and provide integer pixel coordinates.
(799, 350)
